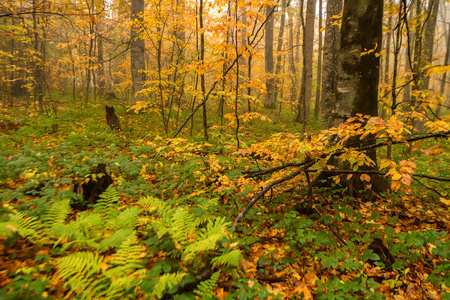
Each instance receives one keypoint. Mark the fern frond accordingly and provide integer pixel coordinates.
(129, 255)
(231, 258)
(205, 290)
(128, 218)
(183, 223)
(57, 213)
(214, 232)
(27, 227)
(107, 204)
(81, 272)
(86, 222)
(167, 281)
(152, 204)
(115, 240)
(203, 245)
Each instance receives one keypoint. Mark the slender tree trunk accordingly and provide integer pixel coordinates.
(269, 101)
(202, 75)
(292, 65)
(101, 67)
(423, 56)
(428, 46)
(137, 50)
(236, 96)
(330, 62)
(39, 62)
(444, 76)
(308, 47)
(384, 103)
(319, 67)
(280, 48)
(90, 50)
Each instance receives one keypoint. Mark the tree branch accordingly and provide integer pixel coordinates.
(269, 187)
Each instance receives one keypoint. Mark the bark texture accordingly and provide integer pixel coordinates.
(358, 64)
(308, 46)
(357, 81)
(269, 101)
(329, 73)
(137, 48)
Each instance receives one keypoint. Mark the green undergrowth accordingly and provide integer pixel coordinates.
(164, 229)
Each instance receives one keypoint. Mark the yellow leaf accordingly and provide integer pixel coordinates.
(14, 229)
(103, 266)
(445, 201)
(251, 283)
(365, 177)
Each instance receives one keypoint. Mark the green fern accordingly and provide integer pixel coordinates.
(107, 204)
(128, 256)
(81, 272)
(231, 259)
(167, 281)
(152, 204)
(208, 238)
(128, 218)
(27, 227)
(56, 214)
(115, 240)
(205, 290)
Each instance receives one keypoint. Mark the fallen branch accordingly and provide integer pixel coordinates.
(375, 172)
(269, 187)
(309, 162)
(445, 134)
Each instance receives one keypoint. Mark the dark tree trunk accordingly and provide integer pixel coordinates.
(269, 101)
(319, 67)
(137, 48)
(358, 77)
(330, 62)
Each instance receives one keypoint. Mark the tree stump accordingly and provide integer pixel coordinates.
(111, 118)
(97, 182)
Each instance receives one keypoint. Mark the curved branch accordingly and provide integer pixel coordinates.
(269, 187)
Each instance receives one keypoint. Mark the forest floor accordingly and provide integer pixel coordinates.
(283, 250)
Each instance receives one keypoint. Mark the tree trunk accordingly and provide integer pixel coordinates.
(423, 56)
(280, 47)
(330, 61)
(39, 63)
(384, 103)
(292, 65)
(428, 45)
(269, 101)
(358, 75)
(444, 76)
(319, 67)
(101, 67)
(202, 75)
(137, 49)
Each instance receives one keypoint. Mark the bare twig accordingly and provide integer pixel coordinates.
(268, 187)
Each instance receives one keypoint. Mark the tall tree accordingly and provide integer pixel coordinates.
(444, 76)
(308, 47)
(280, 46)
(319, 67)
(428, 43)
(358, 72)
(202, 74)
(269, 101)
(39, 47)
(330, 57)
(137, 48)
